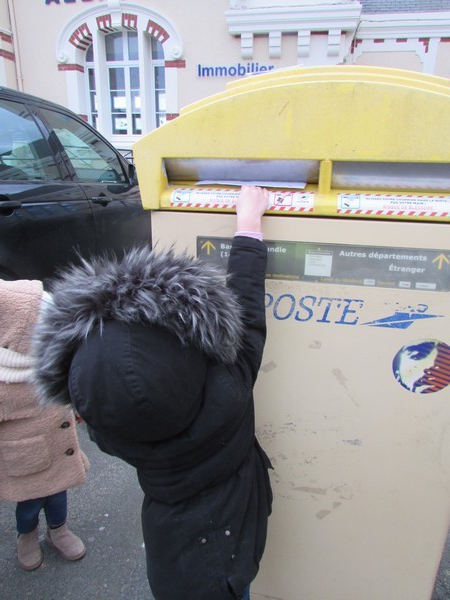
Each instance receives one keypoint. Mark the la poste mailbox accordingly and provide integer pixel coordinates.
(352, 401)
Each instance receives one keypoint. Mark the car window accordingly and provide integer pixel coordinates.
(24, 152)
(91, 158)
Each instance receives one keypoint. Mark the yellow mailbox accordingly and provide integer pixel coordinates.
(353, 397)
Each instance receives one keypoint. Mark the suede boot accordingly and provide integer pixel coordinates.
(29, 553)
(69, 545)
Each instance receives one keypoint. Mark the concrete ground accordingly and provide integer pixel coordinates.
(442, 586)
(105, 513)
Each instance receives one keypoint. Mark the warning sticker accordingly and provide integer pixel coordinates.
(394, 205)
(279, 201)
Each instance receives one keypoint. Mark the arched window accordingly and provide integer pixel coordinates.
(121, 70)
(124, 99)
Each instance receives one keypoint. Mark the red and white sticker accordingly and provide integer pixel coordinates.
(407, 205)
(279, 201)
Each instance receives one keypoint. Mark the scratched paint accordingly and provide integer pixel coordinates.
(340, 311)
(268, 367)
(324, 513)
(342, 380)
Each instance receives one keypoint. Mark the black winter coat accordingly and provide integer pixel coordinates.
(207, 490)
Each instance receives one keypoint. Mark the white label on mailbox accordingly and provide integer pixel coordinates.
(279, 201)
(394, 204)
(318, 263)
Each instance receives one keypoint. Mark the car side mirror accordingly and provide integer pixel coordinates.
(132, 173)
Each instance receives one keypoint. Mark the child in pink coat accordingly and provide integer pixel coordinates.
(39, 453)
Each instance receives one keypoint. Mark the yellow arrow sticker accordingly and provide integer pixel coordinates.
(209, 247)
(441, 259)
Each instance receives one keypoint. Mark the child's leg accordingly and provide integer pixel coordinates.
(246, 594)
(55, 508)
(58, 535)
(29, 553)
(27, 514)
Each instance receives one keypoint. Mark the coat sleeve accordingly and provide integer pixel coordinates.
(247, 270)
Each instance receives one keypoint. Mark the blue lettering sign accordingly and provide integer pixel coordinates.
(340, 311)
(308, 310)
(284, 307)
(239, 70)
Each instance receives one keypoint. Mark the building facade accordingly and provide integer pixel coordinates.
(127, 67)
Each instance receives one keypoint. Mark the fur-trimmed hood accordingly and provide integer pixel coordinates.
(185, 296)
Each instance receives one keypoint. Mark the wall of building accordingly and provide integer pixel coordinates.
(207, 44)
(443, 60)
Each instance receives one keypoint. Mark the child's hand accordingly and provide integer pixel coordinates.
(250, 207)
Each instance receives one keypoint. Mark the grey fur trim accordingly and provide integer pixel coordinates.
(186, 296)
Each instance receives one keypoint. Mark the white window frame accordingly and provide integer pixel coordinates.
(148, 112)
(84, 29)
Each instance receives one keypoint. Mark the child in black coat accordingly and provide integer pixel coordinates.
(159, 354)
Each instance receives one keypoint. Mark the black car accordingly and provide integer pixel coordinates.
(65, 191)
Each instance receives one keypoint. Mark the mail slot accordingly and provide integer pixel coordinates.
(352, 400)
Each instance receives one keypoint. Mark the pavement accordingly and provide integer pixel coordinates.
(442, 585)
(105, 513)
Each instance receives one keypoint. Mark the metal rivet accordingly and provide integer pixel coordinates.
(227, 532)
(203, 540)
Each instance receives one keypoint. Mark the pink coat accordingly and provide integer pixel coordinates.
(39, 450)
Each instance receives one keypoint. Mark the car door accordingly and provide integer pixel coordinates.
(45, 218)
(107, 180)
